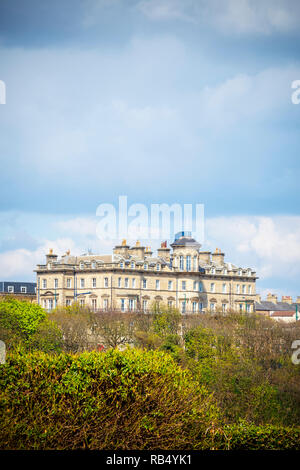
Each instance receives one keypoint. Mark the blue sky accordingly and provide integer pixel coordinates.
(164, 101)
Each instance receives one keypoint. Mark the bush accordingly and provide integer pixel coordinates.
(21, 318)
(25, 325)
(129, 399)
(249, 437)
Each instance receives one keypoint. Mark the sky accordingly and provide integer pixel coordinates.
(164, 101)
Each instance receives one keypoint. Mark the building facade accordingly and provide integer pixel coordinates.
(133, 279)
(20, 290)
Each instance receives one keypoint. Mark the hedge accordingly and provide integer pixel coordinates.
(267, 437)
(115, 400)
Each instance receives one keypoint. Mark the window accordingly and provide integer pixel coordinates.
(69, 281)
(55, 283)
(121, 265)
(188, 263)
(213, 271)
(195, 285)
(225, 271)
(224, 288)
(248, 308)
(183, 285)
(23, 289)
(10, 289)
(123, 305)
(133, 283)
(144, 305)
(106, 282)
(49, 266)
(212, 306)
(132, 265)
(181, 263)
(82, 302)
(170, 303)
(249, 290)
(157, 267)
(50, 304)
(212, 287)
(243, 289)
(119, 282)
(94, 282)
(249, 272)
(224, 308)
(194, 307)
(105, 304)
(170, 285)
(183, 307)
(237, 288)
(195, 263)
(144, 283)
(200, 287)
(81, 265)
(81, 283)
(240, 272)
(93, 265)
(157, 284)
(126, 281)
(94, 304)
(200, 306)
(241, 307)
(145, 266)
(44, 283)
(68, 302)
(131, 305)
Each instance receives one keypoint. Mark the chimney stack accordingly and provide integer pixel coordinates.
(272, 298)
(287, 299)
(204, 256)
(218, 256)
(164, 252)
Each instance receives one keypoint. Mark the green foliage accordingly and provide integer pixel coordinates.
(165, 320)
(47, 337)
(20, 317)
(25, 325)
(243, 436)
(116, 400)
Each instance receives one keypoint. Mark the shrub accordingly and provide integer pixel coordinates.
(129, 399)
(249, 437)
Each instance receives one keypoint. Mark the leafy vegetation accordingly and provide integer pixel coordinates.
(162, 380)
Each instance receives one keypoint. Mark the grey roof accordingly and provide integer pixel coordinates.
(30, 286)
(186, 241)
(271, 306)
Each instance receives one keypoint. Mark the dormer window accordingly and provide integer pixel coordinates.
(81, 265)
(121, 265)
(132, 265)
(225, 271)
(49, 265)
(240, 272)
(213, 271)
(249, 272)
(157, 267)
(93, 264)
(145, 266)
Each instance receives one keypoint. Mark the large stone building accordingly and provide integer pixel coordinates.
(132, 279)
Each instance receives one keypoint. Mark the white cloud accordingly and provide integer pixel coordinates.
(228, 16)
(270, 244)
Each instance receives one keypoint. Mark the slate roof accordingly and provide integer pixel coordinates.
(271, 306)
(30, 287)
